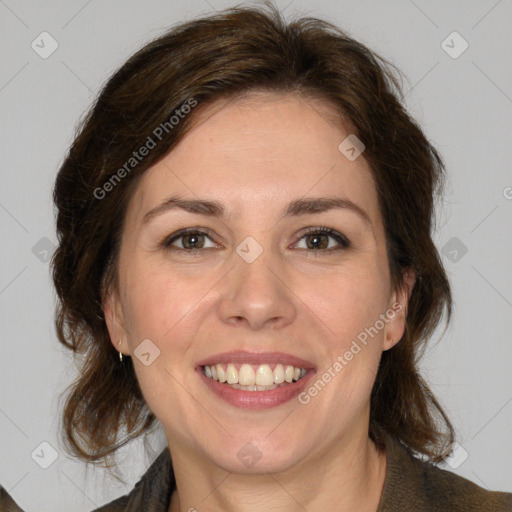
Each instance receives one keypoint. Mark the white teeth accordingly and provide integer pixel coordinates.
(232, 374)
(264, 375)
(221, 373)
(246, 375)
(279, 374)
(247, 379)
(254, 388)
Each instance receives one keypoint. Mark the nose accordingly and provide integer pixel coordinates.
(257, 294)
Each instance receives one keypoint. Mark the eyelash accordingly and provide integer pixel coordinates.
(341, 239)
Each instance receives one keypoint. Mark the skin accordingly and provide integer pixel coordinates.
(255, 155)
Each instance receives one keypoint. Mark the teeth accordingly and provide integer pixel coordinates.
(253, 388)
(246, 378)
(264, 375)
(279, 374)
(232, 374)
(221, 373)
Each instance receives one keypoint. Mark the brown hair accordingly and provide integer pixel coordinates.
(196, 63)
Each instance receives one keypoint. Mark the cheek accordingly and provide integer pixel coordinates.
(162, 302)
(347, 301)
(346, 306)
(162, 306)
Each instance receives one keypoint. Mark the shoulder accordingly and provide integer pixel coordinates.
(414, 484)
(152, 492)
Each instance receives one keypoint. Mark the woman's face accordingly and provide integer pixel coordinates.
(259, 277)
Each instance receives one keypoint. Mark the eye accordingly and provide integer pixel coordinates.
(320, 238)
(188, 240)
(316, 239)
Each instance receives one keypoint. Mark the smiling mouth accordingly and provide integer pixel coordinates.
(247, 377)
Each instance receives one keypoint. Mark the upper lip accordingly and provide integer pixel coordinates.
(241, 356)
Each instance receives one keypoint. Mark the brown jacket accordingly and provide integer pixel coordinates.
(411, 485)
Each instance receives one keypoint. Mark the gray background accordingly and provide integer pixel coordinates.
(464, 104)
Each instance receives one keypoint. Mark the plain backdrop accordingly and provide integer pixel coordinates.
(462, 98)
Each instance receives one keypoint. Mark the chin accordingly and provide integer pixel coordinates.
(249, 454)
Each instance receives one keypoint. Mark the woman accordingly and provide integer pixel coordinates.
(246, 258)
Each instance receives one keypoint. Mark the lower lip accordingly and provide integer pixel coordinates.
(256, 399)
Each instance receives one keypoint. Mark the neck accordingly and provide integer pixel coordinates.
(345, 478)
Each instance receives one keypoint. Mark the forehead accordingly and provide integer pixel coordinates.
(256, 153)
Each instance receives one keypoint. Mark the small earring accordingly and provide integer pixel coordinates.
(120, 353)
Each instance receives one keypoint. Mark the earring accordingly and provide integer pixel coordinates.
(120, 353)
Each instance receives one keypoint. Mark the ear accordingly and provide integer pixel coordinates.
(397, 310)
(114, 319)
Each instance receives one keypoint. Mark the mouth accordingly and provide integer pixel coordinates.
(255, 380)
(249, 377)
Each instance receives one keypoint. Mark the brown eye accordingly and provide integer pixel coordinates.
(321, 239)
(188, 241)
(317, 241)
(193, 241)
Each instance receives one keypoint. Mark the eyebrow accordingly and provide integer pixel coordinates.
(295, 208)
